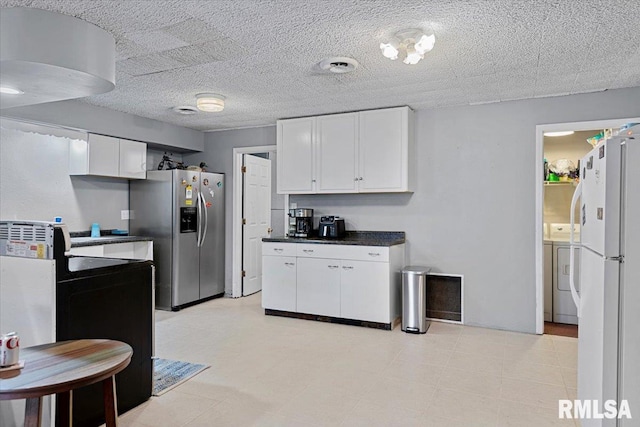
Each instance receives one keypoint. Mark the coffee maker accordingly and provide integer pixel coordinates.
(300, 222)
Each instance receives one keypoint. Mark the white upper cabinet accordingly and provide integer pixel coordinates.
(133, 159)
(361, 152)
(337, 153)
(104, 155)
(99, 155)
(295, 146)
(384, 150)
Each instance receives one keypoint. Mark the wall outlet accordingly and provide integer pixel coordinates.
(124, 214)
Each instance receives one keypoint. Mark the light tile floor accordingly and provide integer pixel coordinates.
(273, 371)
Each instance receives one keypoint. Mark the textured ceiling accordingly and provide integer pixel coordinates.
(261, 54)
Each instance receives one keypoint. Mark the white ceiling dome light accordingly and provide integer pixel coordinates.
(210, 102)
(410, 44)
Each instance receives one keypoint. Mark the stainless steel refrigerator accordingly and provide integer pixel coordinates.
(183, 211)
(609, 301)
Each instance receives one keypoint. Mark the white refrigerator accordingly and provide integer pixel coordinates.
(609, 300)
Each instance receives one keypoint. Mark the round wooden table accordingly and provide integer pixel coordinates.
(61, 367)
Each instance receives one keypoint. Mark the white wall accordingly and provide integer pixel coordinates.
(473, 209)
(35, 182)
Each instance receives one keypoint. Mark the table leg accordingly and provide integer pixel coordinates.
(33, 412)
(65, 400)
(110, 402)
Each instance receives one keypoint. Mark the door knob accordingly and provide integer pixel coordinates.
(269, 230)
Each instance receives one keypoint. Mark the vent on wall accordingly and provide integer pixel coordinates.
(445, 297)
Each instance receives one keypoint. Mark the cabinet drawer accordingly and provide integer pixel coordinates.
(365, 253)
(306, 250)
(278, 249)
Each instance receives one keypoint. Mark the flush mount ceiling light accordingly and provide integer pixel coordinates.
(338, 64)
(559, 133)
(210, 102)
(409, 44)
(10, 91)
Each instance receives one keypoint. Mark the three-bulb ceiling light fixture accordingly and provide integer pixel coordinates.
(411, 44)
(210, 102)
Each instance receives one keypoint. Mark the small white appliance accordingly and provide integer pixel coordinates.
(608, 305)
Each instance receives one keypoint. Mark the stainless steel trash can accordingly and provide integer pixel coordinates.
(414, 299)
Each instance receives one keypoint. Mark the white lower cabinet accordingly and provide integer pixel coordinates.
(279, 282)
(358, 283)
(318, 284)
(364, 291)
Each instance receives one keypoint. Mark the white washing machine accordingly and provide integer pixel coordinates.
(564, 309)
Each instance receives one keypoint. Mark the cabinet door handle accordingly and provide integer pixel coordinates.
(278, 249)
(355, 179)
(347, 267)
(307, 251)
(360, 179)
(333, 267)
(289, 264)
(374, 253)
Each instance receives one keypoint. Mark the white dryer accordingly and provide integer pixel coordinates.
(564, 309)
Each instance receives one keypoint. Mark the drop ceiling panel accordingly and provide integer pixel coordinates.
(262, 55)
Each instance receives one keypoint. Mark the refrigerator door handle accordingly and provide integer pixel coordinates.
(199, 242)
(206, 219)
(572, 245)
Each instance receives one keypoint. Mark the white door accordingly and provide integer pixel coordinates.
(256, 206)
(337, 153)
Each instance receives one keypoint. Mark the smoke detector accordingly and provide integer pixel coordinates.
(338, 64)
(185, 110)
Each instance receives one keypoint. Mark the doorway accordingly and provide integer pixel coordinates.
(539, 182)
(239, 250)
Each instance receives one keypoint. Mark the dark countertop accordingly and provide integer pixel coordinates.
(77, 242)
(356, 238)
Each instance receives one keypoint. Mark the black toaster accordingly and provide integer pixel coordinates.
(331, 227)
